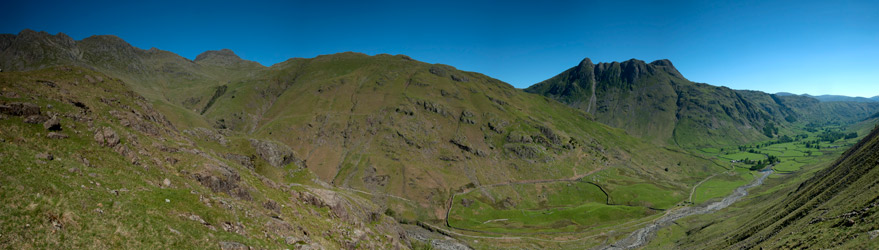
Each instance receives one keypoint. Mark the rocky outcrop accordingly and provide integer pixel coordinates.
(106, 137)
(277, 155)
(53, 124)
(246, 161)
(326, 198)
(222, 179)
(20, 109)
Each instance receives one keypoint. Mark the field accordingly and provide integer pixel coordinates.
(792, 155)
(560, 206)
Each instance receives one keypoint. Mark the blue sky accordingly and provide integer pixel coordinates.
(820, 47)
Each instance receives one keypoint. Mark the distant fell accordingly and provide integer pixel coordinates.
(656, 102)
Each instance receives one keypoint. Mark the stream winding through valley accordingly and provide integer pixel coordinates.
(642, 236)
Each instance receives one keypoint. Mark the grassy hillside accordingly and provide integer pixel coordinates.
(827, 203)
(88, 163)
(388, 124)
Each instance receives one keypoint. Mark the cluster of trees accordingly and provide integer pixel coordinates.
(770, 130)
(832, 136)
(760, 164)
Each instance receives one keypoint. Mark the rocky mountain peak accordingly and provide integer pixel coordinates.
(223, 57)
(586, 62)
(669, 67)
(223, 53)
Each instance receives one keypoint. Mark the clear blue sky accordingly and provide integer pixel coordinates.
(820, 47)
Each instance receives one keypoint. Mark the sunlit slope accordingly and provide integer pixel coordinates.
(654, 101)
(390, 124)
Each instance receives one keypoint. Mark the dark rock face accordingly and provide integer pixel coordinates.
(20, 109)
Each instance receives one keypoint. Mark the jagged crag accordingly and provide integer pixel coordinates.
(654, 101)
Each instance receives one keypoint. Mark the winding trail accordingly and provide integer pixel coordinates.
(642, 236)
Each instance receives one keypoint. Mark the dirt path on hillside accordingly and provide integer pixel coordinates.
(642, 236)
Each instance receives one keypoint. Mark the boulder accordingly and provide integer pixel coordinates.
(53, 124)
(106, 137)
(292, 240)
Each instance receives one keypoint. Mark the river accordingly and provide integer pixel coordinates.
(642, 236)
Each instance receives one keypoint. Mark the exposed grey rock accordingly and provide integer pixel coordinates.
(53, 124)
(519, 137)
(272, 205)
(106, 137)
(459, 78)
(468, 117)
(275, 154)
(525, 151)
(221, 178)
(36, 119)
(246, 161)
(231, 245)
(433, 107)
(436, 70)
(293, 240)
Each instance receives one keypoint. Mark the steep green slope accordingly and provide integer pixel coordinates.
(87, 163)
(835, 208)
(654, 101)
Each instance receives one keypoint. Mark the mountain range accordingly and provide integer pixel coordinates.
(347, 150)
(654, 101)
(834, 98)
